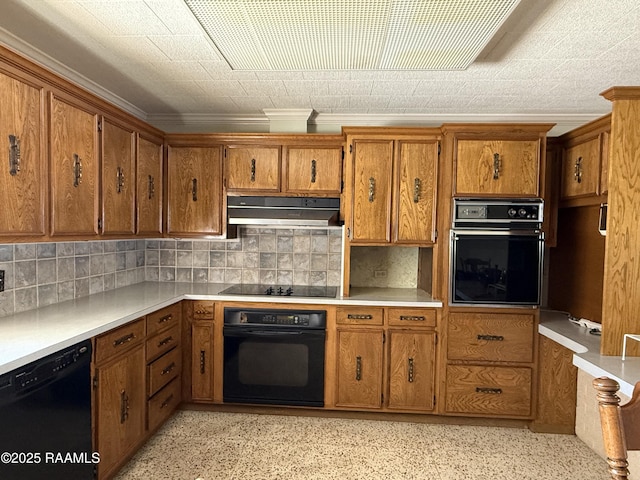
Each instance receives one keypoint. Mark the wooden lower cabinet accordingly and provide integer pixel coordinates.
(412, 362)
(120, 408)
(202, 361)
(360, 357)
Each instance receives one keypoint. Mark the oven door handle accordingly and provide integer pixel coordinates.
(269, 333)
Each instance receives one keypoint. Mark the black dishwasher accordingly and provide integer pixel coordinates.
(45, 418)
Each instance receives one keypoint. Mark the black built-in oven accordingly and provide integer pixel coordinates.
(274, 357)
(497, 250)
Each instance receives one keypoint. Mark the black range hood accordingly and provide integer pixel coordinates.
(283, 211)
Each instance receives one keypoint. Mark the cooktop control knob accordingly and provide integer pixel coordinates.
(522, 212)
(511, 212)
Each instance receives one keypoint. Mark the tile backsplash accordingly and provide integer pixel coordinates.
(259, 255)
(39, 274)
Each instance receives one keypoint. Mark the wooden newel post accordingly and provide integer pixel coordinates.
(612, 427)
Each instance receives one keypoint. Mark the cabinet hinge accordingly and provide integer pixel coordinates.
(99, 125)
(435, 339)
(382, 398)
(434, 401)
(95, 381)
(342, 153)
(435, 234)
(384, 337)
(225, 153)
(99, 223)
(439, 149)
(350, 148)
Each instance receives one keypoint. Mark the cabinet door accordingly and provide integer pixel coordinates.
(416, 167)
(581, 169)
(195, 191)
(411, 370)
(359, 368)
(202, 361)
(248, 168)
(23, 176)
(314, 170)
(149, 187)
(120, 408)
(371, 207)
(74, 169)
(118, 179)
(498, 167)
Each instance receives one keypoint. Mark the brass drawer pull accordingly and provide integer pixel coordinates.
(253, 169)
(489, 390)
(417, 188)
(354, 316)
(165, 341)
(124, 406)
(166, 318)
(358, 368)
(194, 189)
(168, 369)
(77, 170)
(151, 187)
(167, 402)
(496, 166)
(577, 170)
(14, 155)
(202, 361)
(372, 189)
(313, 171)
(119, 180)
(123, 340)
(410, 376)
(413, 318)
(491, 338)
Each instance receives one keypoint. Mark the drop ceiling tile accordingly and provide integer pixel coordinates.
(133, 17)
(220, 88)
(129, 48)
(369, 102)
(221, 70)
(349, 87)
(186, 47)
(176, 16)
(180, 70)
(307, 87)
(391, 87)
(267, 87)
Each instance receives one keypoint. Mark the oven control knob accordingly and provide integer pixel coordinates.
(511, 212)
(522, 212)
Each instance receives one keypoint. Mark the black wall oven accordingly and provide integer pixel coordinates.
(274, 357)
(497, 251)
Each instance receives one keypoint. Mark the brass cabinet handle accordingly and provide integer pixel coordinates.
(410, 369)
(165, 341)
(124, 406)
(168, 368)
(119, 179)
(202, 361)
(77, 170)
(194, 189)
(372, 188)
(354, 316)
(496, 166)
(167, 402)
(253, 169)
(14, 155)
(491, 338)
(417, 187)
(577, 170)
(358, 368)
(166, 318)
(413, 318)
(313, 171)
(123, 340)
(489, 390)
(151, 187)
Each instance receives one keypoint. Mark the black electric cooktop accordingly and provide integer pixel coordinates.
(281, 290)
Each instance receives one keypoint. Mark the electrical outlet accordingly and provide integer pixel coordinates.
(1, 280)
(380, 274)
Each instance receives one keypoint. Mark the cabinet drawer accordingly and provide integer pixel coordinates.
(490, 337)
(403, 317)
(359, 316)
(163, 403)
(488, 390)
(163, 342)
(164, 369)
(119, 340)
(164, 318)
(203, 310)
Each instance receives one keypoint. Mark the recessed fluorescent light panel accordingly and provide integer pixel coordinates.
(351, 34)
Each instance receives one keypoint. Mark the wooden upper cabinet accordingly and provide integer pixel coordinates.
(415, 203)
(249, 168)
(22, 170)
(313, 170)
(585, 159)
(74, 168)
(487, 167)
(149, 187)
(195, 190)
(371, 195)
(118, 179)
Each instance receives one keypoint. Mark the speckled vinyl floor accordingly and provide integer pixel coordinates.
(224, 446)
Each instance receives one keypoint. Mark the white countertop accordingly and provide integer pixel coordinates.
(30, 335)
(586, 347)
